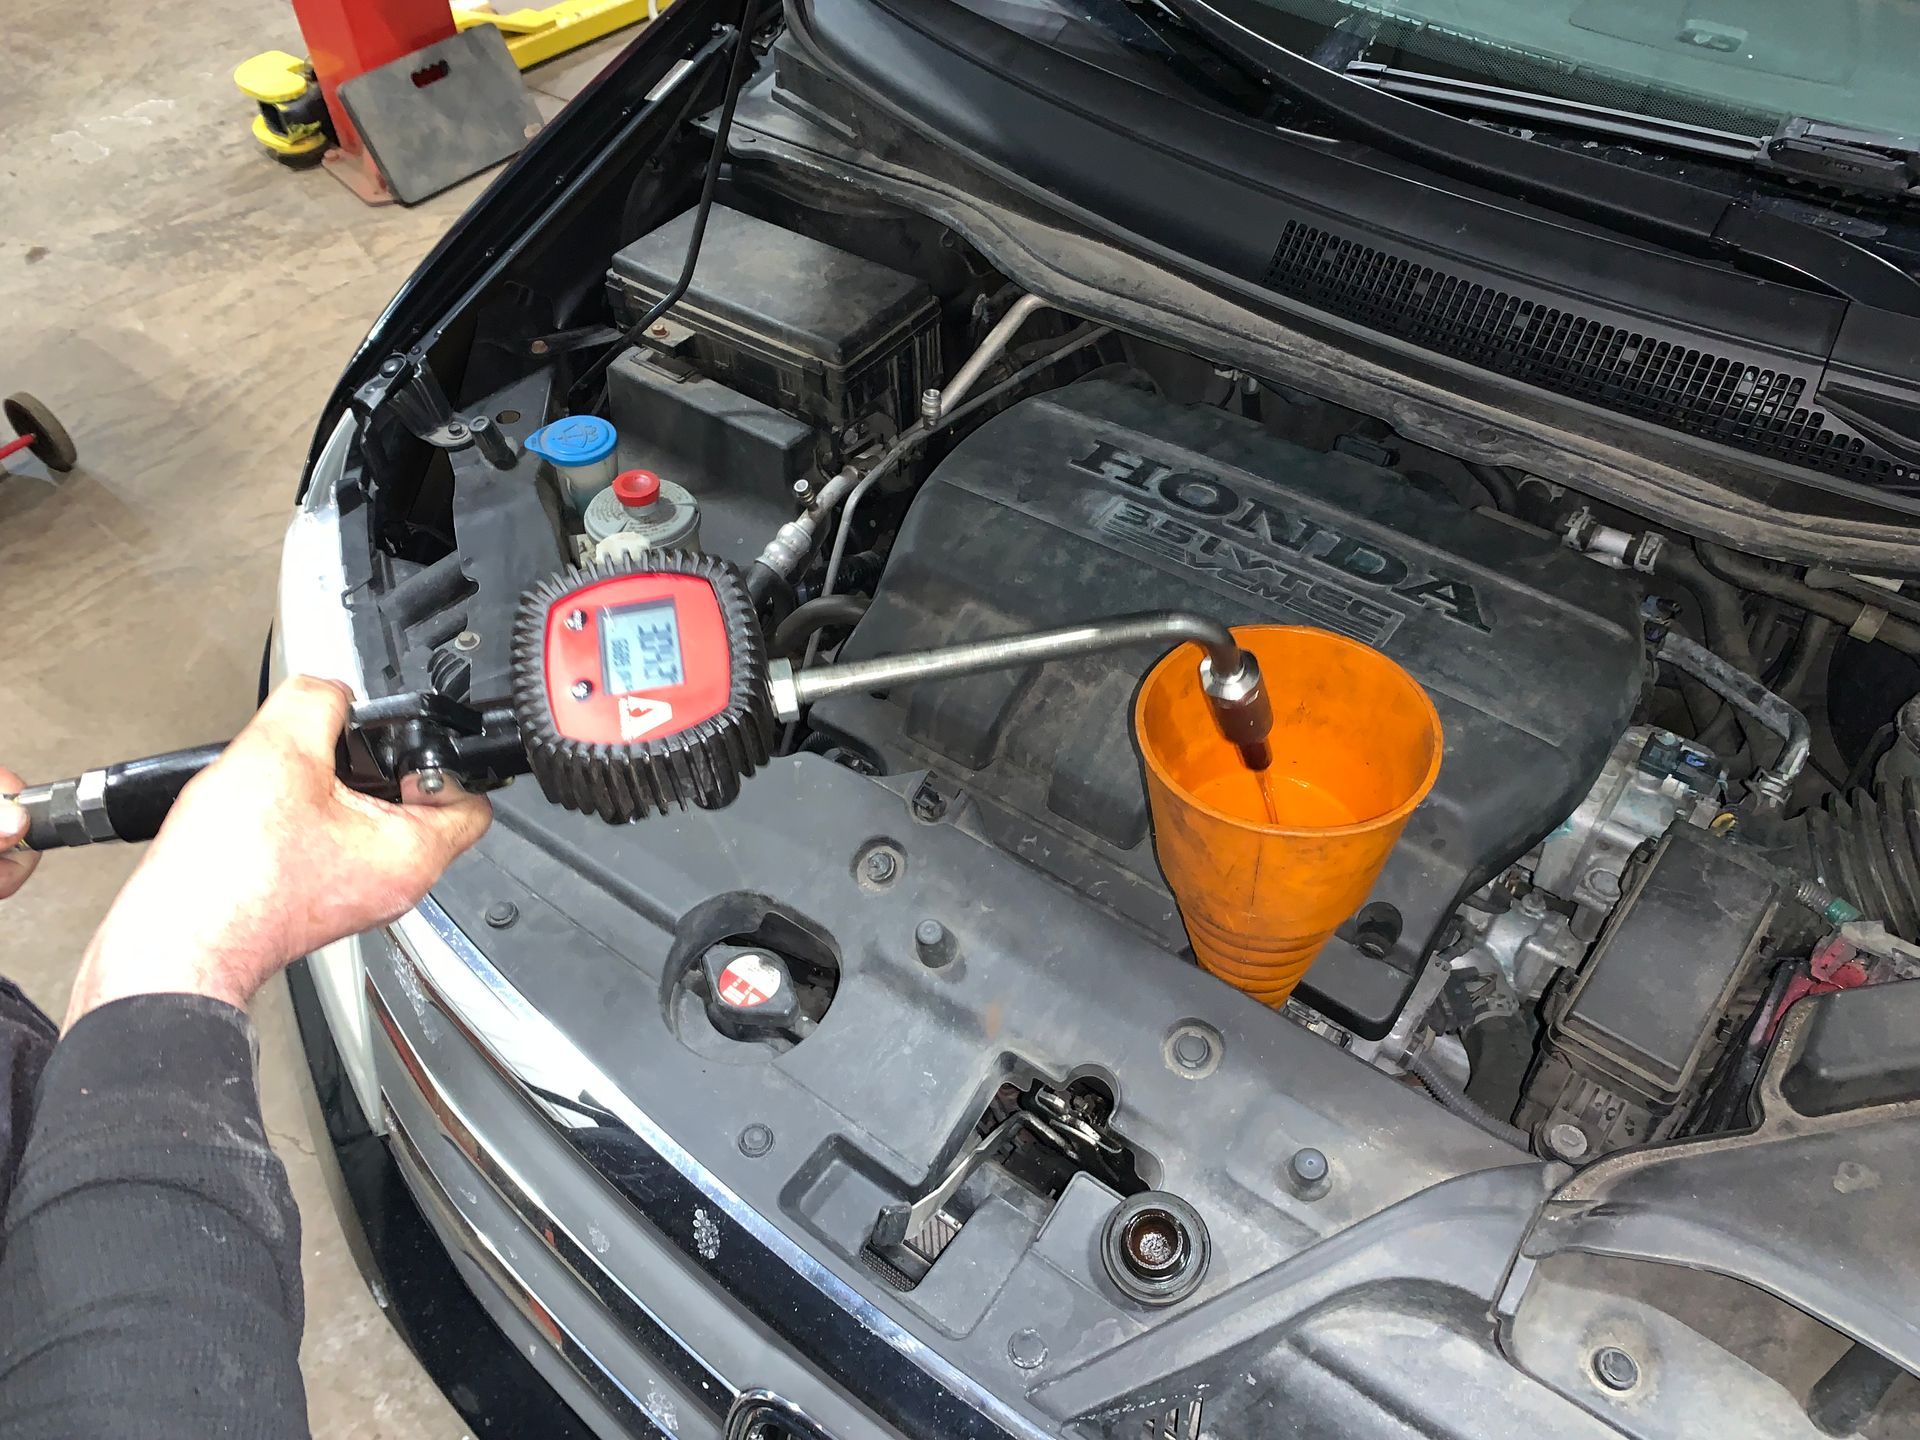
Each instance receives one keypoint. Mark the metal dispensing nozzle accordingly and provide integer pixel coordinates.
(1229, 676)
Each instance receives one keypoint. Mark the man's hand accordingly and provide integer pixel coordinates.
(15, 865)
(265, 857)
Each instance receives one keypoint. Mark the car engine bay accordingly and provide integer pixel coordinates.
(1678, 796)
(1090, 495)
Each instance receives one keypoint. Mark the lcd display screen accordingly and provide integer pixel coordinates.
(640, 647)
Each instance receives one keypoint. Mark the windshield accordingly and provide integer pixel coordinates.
(1741, 65)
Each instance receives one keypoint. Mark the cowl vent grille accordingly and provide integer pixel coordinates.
(1718, 397)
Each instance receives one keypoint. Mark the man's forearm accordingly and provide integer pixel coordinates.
(150, 1271)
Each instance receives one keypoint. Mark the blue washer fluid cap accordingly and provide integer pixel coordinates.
(574, 440)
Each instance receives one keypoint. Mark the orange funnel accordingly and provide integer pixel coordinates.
(1265, 866)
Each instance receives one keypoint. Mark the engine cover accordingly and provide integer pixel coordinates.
(1102, 498)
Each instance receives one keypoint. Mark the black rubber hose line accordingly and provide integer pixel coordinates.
(1454, 1100)
(791, 634)
(1750, 574)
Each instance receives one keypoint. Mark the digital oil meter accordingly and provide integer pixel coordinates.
(641, 685)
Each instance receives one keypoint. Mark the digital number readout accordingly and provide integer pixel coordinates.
(640, 647)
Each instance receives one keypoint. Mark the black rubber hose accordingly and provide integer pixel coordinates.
(1725, 625)
(1808, 651)
(1862, 770)
(1750, 574)
(1827, 578)
(767, 587)
(1740, 689)
(1499, 1055)
(1454, 1100)
(1719, 602)
(792, 633)
(128, 801)
(1498, 484)
(139, 793)
(1844, 1399)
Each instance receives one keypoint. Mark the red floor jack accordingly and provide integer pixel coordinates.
(37, 432)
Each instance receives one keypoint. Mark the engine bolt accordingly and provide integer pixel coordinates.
(755, 1141)
(1192, 1049)
(1615, 1368)
(466, 641)
(880, 867)
(1568, 1141)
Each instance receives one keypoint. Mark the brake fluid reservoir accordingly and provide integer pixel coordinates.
(640, 511)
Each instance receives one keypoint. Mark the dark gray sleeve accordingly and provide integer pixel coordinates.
(150, 1276)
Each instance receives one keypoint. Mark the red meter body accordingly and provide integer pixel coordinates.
(635, 657)
(641, 685)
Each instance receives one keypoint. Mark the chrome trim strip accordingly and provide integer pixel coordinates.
(620, 1402)
(535, 1054)
(702, 1384)
(755, 1408)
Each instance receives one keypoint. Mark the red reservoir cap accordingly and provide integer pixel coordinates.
(636, 488)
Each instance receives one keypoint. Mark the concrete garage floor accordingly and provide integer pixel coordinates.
(183, 303)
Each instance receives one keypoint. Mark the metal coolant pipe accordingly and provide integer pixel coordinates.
(1229, 676)
(998, 338)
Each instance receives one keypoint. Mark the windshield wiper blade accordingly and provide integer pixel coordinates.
(1664, 209)
(1552, 110)
(1863, 162)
